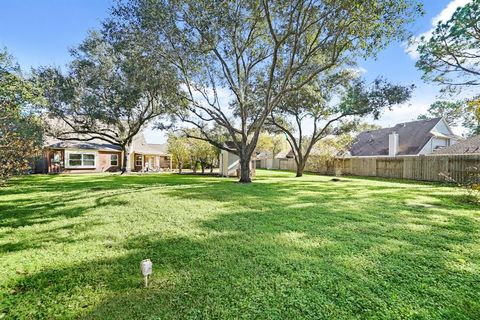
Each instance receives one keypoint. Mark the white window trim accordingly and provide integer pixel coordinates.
(67, 159)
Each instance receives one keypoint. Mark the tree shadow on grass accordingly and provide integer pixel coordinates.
(287, 271)
(53, 194)
(279, 250)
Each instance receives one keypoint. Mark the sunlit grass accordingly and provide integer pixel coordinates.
(280, 248)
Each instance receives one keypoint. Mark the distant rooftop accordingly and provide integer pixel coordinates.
(469, 146)
(412, 138)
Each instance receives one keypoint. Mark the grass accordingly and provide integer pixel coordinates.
(280, 248)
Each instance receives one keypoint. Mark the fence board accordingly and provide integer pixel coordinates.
(422, 168)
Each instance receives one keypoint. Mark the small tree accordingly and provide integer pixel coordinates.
(21, 132)
(465, 113)
(178, 147)
(271, 143)
(203, 153)
(318, 105)
(111, 91)
(470, 183)
(334, 146)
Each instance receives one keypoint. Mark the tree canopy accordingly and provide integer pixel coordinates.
(237, 60)
(21, 133)
(332, 106)
(463, 113)
(110, 91)
(191, 151)
(451, 56)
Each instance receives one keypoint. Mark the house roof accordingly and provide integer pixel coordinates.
(140, 145)
(230, 145)
(95, 144)
(285, 154)
(469, 146)
(412, 138)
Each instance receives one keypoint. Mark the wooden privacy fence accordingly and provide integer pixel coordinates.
(423, 168)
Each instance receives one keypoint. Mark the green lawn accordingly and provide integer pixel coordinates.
(280, 248)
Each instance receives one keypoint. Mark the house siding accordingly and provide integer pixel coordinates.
(102, 163)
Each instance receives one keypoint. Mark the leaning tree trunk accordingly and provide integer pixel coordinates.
(245, 169)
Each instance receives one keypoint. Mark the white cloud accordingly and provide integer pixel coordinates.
(443, 16)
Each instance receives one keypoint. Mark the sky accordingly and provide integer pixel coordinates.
(40, 33)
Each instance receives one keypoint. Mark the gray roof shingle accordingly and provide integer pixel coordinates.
(139, 145)
(469, 146)
(95, 144)
(412, 138)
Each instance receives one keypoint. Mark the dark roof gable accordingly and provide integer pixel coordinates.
(412, 137)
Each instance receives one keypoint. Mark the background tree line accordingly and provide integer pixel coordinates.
(192, 153)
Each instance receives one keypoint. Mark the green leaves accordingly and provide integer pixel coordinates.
(255, 52)
(463, 112)
(361, 99)
(451, 56)
(111, 89)
(21, 132)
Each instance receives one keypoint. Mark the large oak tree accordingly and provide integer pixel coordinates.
(110, 91)
(237, 60)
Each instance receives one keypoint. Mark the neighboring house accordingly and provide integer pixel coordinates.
(266, 160)
(99, 156)
(229, 163)
(469, 146)
(282, 160)
(149, 156)
(404, 139)
(285, 154)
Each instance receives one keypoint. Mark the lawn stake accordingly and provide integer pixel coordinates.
(146, 268)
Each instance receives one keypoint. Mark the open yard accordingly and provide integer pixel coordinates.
(280, 248)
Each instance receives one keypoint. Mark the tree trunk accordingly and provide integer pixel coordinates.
(180, 167)
(203, 167)
(194, 166)
(126, 167)
(300, 167)
(245, 169)
(211, 168)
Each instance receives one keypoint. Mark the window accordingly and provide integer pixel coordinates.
(88, 160)
(75, 160)
(81, 160)
(114, 160)
(138, 160)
